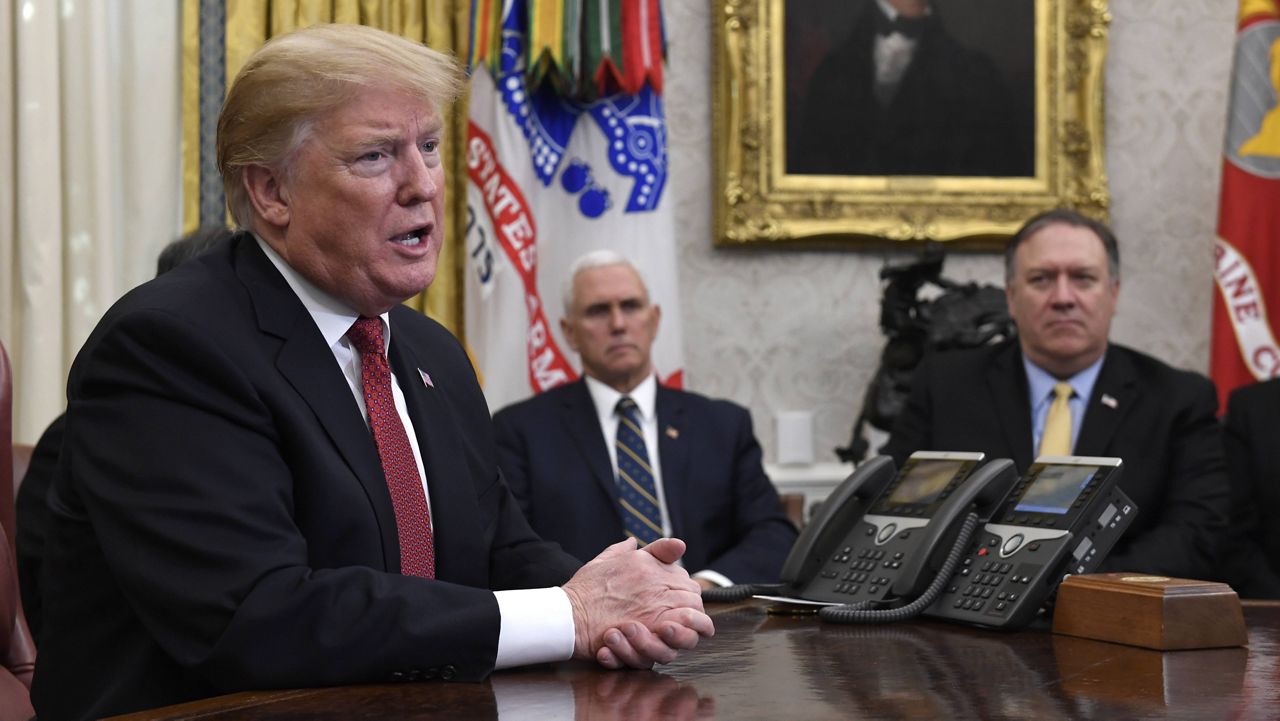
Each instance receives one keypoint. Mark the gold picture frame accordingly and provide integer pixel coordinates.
(759, 202)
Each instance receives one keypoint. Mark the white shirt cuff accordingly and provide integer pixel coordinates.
(717, 578)
(537, 627)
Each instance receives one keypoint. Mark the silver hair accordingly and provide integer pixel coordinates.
(602, 258)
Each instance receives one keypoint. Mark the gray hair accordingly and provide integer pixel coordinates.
(602, 258)
(297, 78)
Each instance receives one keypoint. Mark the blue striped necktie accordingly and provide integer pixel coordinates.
(637, 495)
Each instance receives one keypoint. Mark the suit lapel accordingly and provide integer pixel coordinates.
(578, 414)
(1012, 402)
(673, 454)
(454, 514)
(1114, 394)
(307, 364)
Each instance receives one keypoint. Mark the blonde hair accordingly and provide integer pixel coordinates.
(297, 78)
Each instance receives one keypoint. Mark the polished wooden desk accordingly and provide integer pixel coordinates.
(761, 666)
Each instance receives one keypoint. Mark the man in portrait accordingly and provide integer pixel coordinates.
(899, 95)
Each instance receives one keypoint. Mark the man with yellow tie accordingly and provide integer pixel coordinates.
(1061, 387)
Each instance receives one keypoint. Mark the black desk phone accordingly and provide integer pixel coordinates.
(881, 537)
(1062, 518)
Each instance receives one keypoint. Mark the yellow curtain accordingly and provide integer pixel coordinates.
(441, 24)
(190, 115)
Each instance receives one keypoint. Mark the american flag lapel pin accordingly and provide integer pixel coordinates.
(1109, 401)
(426, 378)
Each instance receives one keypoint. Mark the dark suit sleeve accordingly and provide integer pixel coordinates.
(1247, 436)
(184, 496)
(763, 533)
(1194, 506)
(519, 558)
(513, 459)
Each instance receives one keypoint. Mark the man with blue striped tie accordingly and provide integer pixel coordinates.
(616, 454)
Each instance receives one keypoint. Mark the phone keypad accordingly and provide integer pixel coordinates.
(853, 572)
(862, 568)
(990, 586)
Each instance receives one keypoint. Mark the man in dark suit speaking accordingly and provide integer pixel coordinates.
(616, 453)
(1062, 387)
(275, 475)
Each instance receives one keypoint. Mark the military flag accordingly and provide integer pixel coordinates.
(1247, 247)
(566, 153)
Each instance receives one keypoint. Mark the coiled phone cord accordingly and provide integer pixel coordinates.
(740, 592)
(859, 613)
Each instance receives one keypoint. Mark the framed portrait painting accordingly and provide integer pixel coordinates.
(874, 121)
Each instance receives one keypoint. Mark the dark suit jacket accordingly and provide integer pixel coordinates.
(1253, 458)
(1161, 424)
(220, 520)
(719, 499)
(951, 113)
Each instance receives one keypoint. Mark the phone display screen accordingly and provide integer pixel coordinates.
(923, 480)
(1055, 489)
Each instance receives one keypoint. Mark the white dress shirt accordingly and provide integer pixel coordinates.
(646, 397)
(537, 624)
(892, 54)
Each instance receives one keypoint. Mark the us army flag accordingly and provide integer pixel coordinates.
(550, 179)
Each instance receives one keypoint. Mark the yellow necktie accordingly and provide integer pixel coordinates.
(1056, 439)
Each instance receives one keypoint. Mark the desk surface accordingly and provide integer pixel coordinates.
(760, 666)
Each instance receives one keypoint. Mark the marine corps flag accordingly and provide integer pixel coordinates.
(566, 153)
(1247, 249)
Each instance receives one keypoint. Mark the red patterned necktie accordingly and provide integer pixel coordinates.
(413, 520)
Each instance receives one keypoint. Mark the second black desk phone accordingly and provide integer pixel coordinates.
(882, 539)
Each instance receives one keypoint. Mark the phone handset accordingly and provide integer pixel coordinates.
(846, 504)
(981, 493)
(842, 509)
(942, 543)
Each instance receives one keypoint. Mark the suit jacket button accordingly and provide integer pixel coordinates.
(448, 672)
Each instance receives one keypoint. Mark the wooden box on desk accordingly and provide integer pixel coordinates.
(1149, 611)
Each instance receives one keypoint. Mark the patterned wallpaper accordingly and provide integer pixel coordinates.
(797, 330)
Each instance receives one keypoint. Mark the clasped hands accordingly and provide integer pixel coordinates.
(633, 607)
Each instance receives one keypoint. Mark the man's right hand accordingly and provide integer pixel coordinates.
(634, 607)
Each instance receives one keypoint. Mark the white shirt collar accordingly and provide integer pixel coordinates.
(1040, 382)
(333, 317)
(892, 13)
(887, 9)
(606, 399)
